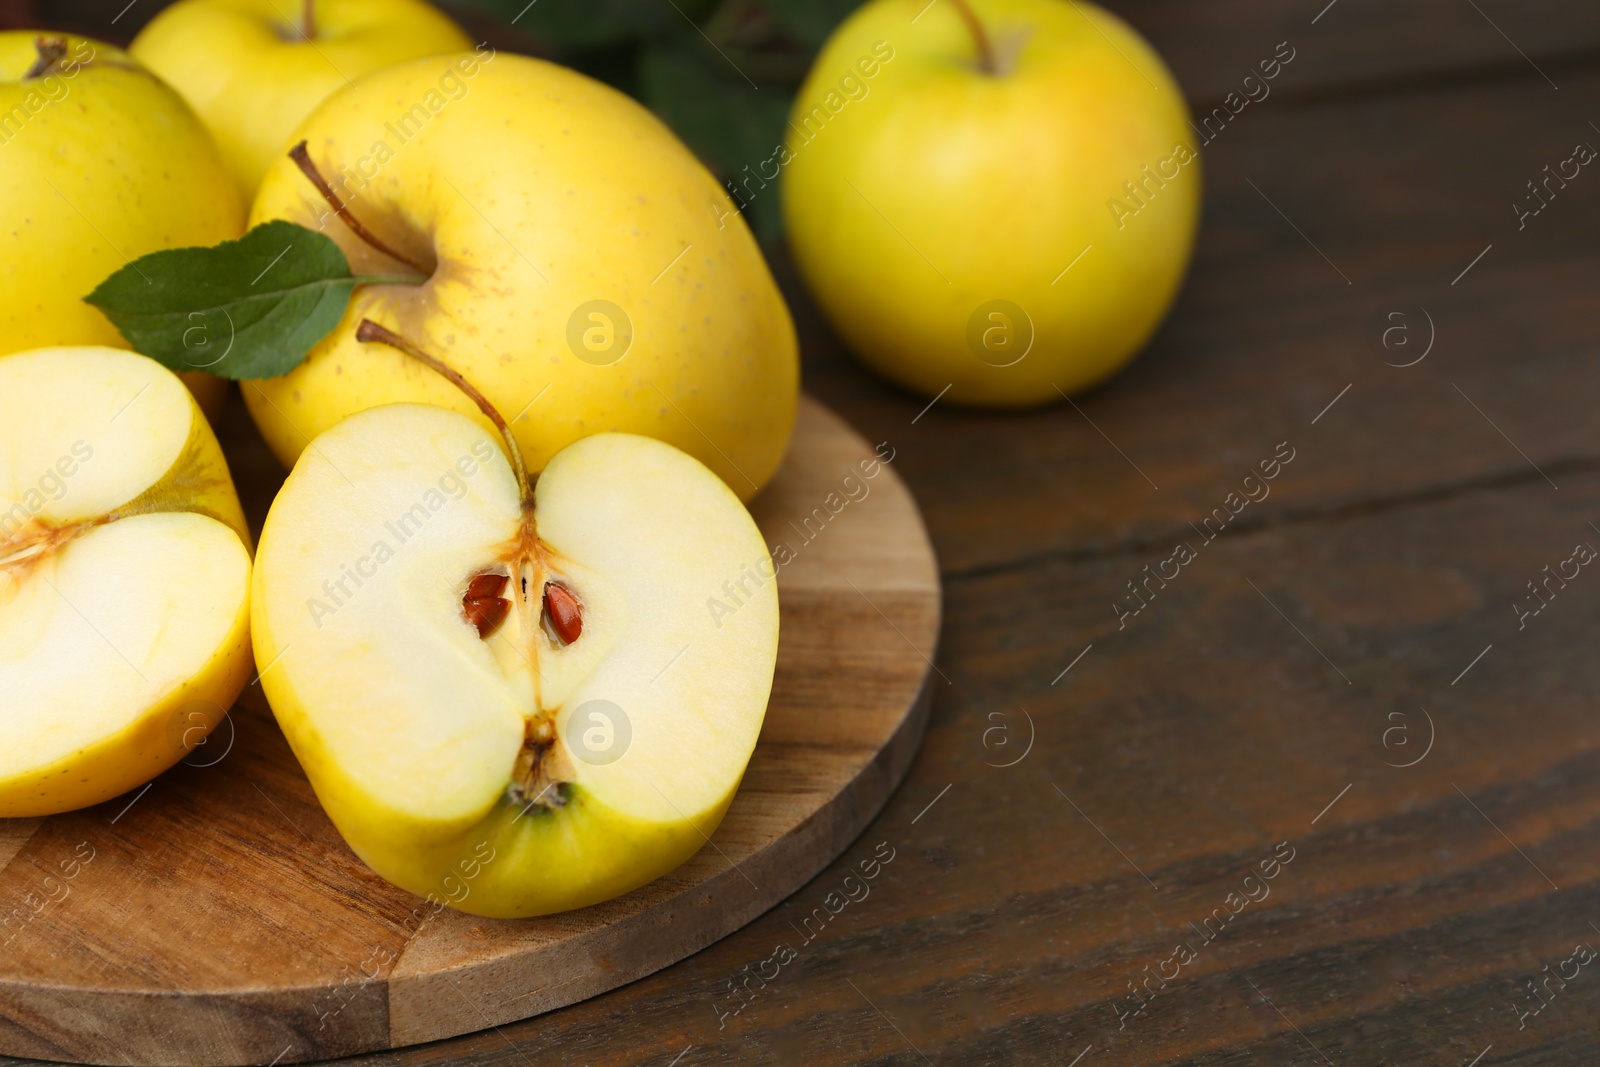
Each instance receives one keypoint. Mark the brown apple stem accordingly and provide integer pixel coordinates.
(370, 331)
(302, 158)
(310, 27)
(52, 50)
(979, 36)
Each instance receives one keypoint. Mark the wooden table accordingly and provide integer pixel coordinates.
(1341, 677)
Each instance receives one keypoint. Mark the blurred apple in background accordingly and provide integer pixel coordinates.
(253, 69)
(998, 196)
(102, 163)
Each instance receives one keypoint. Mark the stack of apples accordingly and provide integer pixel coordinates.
(525, 371)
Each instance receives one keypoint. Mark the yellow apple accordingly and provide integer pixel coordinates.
(100, 163)
(583, 269)
(1002, 204)
(124, 577)
(514, 701)
(253, 69)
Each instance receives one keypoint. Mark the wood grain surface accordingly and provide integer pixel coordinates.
(216, 917)
(1272, 692)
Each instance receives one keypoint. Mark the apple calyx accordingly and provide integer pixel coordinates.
(980, 37)
(302, 159)
(542, 601)
(542, 768)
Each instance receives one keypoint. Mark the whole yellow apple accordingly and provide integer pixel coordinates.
(578, 266)
(100, 163)
(998, 197)
(253, 69)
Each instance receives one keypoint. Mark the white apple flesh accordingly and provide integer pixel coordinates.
(511, 772)
(124, 577)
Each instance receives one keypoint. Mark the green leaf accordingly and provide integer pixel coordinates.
(587, 24)
(734, 129)
(811, 21)
(251, 308)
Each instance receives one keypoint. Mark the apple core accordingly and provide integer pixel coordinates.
(544, 603)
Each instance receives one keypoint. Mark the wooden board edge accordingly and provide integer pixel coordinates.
(414, 1002)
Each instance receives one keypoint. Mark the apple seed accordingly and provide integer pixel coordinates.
(563, 615)
(483, 605)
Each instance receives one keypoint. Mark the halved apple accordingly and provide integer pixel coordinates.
(124, 577)
(517, 700)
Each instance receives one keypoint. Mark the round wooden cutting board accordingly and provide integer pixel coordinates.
(216, 917)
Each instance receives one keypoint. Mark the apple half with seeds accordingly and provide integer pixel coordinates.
(512, 696)
(124, 577)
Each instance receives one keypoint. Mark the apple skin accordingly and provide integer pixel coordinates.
(538, 863)
(539, 191)
(252, 76)
(116, 764)
(197, 481)
(1000, 182)
(110, 165)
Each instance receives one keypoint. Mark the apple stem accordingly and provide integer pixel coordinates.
(986, 61)
(370, 331)
(302, 158)
(310, 28)
(51, 51)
